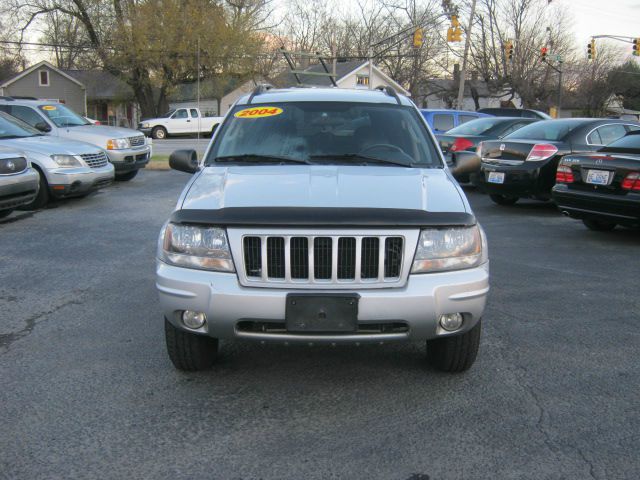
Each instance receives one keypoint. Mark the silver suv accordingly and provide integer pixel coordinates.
(322, 216)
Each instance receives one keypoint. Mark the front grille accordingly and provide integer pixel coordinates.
(95, 160)
(136, 141)
(322, 259)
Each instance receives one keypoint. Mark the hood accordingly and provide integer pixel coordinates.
(324, 186)
(92, 132)
(47, 145)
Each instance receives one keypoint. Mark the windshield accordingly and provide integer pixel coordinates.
(475, 127)
(62, 116)
(552, 130)
(11, 127)
(168, 114)
(325, 132)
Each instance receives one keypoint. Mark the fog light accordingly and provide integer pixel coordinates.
(193, 319)
(451, 321)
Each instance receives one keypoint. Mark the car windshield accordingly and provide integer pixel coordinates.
(168, 114)
(552, 130)
(62, 116)
(325, 132)
(475, 127)
(11, 127)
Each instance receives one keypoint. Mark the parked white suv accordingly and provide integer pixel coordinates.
(128, 150)
(322, 216)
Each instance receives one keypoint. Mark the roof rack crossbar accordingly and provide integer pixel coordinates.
(260, 89)
(390, 91)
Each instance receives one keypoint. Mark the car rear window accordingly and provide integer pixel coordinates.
(476, 127)
(466, 118)
(552, 130)
(443, 122)
(631, 142)
(305, 131)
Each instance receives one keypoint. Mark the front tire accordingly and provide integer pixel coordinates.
(42, 198)
(188, 351)
(125, 177)
(159, 133)
(599, 225)
(456, 353)
(503, 200)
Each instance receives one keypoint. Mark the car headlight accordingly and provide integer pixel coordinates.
(190, 246)
(66, 161)
(442, 249)
(145, 125)
(117, 144)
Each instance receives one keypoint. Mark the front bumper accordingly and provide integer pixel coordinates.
(69, 182)
(622, 209)
(146, 131)
(417, 305)
(529, 179)
(17, 190)
(130, 159)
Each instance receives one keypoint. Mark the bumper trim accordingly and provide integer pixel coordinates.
(324, 339)
(469, 295)
(175, 292)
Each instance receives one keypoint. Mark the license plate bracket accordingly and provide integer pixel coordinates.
(598, 177)
(495, 177)
(330, 313)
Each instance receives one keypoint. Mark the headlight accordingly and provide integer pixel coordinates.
(66, 161)
(117, 144)
(189, 246)
(145, 125)
(450, 249)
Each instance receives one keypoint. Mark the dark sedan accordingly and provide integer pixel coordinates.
(466, 137)
(524, 163)
(602, 188)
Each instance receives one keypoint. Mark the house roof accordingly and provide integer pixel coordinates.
(209, 88)
(343, 70)
(436, 86)
(101, 84)
(44, 63)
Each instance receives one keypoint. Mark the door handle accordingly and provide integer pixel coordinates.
(188, 120)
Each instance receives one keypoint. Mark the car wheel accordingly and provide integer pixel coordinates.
(5, 213)
(159, 133)
(188, 351)
(503, 199)
(456, 353)
(42, 198)
(125, 177)
(599, 225)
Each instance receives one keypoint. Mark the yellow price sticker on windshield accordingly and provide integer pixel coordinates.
(49, 107)
(258, 112)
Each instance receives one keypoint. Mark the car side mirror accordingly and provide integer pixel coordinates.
(184, 161)
(43, 127)
(466, 162)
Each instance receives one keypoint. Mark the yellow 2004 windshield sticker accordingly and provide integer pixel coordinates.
(49, 107)
(258, 112)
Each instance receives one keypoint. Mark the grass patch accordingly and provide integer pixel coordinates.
(158, 162)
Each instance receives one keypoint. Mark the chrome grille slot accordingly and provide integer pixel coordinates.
(95, 160)
(303, 260)
(136, 141)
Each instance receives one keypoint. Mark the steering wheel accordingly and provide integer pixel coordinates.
(388, 146)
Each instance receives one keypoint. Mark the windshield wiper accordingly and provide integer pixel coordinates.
(255, 158)
(363, 159)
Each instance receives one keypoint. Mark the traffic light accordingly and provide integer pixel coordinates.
(508, 50)
(543, 53)
(418, 38)
(591, 50)
(454, 33)
(636, 47)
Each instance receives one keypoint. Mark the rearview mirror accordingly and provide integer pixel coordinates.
(466, 162)
(43, 127)
(184, 161)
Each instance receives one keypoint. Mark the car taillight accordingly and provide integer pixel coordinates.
(479, 150)
(461, 144)
(564, 174)
(541, 151)
(632, 181)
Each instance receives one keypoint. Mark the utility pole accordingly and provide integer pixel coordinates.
(467, 44)
(370, 68)
(198, 88)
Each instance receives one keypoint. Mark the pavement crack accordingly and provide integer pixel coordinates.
(588, 462)
(7, 339)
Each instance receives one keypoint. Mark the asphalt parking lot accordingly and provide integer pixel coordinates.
(88, 391)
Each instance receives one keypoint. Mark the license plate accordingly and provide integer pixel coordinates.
(598, 177)
(321, 313)
(496, 177)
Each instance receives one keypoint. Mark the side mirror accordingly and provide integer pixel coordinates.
(43, 127)
(184, 161)
(465, 162)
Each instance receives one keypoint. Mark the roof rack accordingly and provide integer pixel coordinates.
(21, 97)
(260, 89)
(11, 99)
(390, 91)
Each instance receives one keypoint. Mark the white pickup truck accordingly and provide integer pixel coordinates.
(180, 121)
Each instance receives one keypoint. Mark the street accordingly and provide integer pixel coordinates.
(166, 147)
(89, 392)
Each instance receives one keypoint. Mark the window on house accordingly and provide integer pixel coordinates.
(43, 76)
(362, 80)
